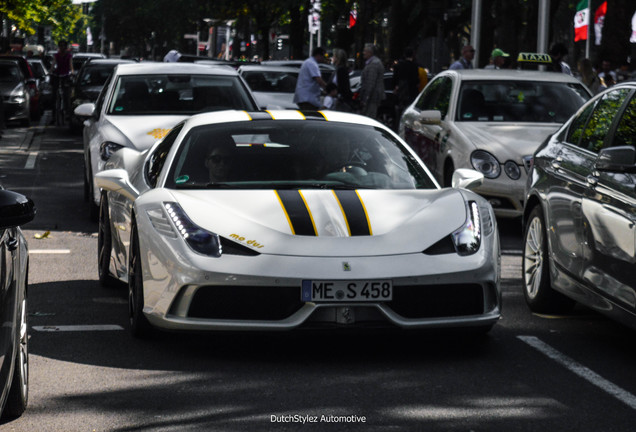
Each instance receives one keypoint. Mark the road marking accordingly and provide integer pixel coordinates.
(75, 328)
(585, 373)
(49, 251)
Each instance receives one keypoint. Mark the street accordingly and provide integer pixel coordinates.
(87, 373)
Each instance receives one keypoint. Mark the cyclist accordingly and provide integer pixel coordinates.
(61, 76)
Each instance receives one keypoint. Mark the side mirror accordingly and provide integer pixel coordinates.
(617, 159)
(430, 117)
(15, 209)
(116, 180)
(85, 110)
(464, 178)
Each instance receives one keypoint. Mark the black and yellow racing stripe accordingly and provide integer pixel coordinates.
(354, 212)
(298, 214)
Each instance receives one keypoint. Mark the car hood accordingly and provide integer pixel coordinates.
(275, 100)
(139, 132)
(506, 141)
(401, 221)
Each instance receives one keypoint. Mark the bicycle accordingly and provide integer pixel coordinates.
(62, 99)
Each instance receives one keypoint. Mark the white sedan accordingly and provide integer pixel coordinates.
(272, 86)
(491, 121)
(141, 102)
(284, 219)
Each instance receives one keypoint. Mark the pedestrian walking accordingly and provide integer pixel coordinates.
(371, 82)
(341, 79)
(307, 94)
(558, 53)
(497, 59)
(405, 80)
(466, 61)
(589, 76)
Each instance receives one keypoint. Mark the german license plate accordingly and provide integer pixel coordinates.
(347, 290)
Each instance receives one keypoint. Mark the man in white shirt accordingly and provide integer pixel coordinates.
(307, 94)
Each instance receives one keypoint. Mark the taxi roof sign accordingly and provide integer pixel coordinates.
(534, 58)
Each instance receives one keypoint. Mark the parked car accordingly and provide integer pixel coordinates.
(89, 83)
(15, 94)
(15, 210)
(81, 57)
(326, 70)
(492, 121)
(580, 212)
(141, 102)
(331, 223)
(272, 86)
(30, 83)
(41, 73)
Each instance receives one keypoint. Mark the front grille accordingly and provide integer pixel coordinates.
(271, 303)
(436, 301)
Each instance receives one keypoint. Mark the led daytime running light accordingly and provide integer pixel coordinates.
(199, 239)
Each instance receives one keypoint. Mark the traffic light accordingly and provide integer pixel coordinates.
(279, 44)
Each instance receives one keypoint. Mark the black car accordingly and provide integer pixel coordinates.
(89, 83)
(15, 210)
(580, 212)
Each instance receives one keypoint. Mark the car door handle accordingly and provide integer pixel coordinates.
(591, 180)
(12, 244)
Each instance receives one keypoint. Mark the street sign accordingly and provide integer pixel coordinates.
(191, 36)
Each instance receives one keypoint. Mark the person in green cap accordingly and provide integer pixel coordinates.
(497, 59)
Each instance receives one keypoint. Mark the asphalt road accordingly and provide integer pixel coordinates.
(531, 373)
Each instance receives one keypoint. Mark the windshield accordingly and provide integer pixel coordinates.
(95, 75)
(271, 81)
(9, 73)
(519, 101)
(297, 154)
(178, 94)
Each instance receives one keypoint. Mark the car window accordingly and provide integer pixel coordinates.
(575, 131)
(436, 96)
(271, 81)
(99, 103)
(177, 94)
(626, 129)
(601, 119)
(519, 101)
(95, 75)
(284, 154)
(157, 159)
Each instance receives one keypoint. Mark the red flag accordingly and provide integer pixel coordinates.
(599, 20)
(353, 16)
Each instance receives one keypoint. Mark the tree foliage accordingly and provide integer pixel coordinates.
(27, 15)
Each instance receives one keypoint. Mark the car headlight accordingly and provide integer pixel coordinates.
(18, 96)
(512, 170)
(467, 239)
(199, 239)
(107, 148)
(485, 163)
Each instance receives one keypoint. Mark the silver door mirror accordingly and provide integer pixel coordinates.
(464, 178)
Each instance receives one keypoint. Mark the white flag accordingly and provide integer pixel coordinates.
(89, 37)
(633, 38)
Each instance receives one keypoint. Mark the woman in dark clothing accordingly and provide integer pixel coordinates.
(341, 79)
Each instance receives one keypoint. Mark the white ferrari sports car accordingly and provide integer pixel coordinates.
(276, 220)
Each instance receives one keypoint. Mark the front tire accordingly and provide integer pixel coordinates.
(104, 244)
(19, 393)
(139, 325)
(540, 296)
